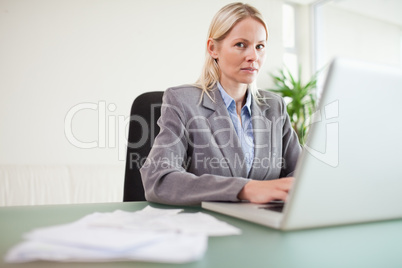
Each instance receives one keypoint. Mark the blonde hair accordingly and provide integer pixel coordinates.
(221, 25)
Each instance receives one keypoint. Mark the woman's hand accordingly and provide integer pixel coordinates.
(265, 191)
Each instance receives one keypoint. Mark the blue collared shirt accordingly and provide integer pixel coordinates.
(244, 130)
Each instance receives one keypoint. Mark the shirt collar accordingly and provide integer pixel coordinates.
(229, 101)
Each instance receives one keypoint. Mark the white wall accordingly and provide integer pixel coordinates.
(349, 34)
(57, 54)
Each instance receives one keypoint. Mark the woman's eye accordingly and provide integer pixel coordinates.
(260, 46)
(242, 45)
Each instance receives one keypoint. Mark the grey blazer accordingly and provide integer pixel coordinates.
(197, 155)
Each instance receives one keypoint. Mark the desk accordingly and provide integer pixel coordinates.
(363, 245)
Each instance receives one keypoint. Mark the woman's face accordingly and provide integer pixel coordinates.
(241, 54)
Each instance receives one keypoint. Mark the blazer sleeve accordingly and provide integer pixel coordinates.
(164, 174)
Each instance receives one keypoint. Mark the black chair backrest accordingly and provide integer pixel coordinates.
(145, 112)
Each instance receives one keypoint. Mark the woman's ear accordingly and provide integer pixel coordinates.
(212, 48)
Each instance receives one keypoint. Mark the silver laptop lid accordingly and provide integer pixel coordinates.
(351, 168)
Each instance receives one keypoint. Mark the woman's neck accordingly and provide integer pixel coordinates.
(237, 92)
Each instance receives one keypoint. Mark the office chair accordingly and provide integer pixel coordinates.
(145, 111)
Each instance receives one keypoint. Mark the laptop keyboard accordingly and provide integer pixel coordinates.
(274, 206)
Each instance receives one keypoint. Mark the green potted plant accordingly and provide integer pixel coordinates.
(300, 98)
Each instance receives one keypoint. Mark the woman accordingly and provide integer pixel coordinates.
(221, 139)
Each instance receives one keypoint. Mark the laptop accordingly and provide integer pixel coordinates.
(350, 170)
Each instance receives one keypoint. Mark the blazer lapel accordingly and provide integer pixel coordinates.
(262, 131)
(224, 134)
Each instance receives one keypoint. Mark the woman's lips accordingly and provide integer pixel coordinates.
(249, 69)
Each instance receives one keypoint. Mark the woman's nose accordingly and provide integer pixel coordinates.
(252, 54)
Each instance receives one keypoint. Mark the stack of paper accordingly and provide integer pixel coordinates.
(157, 235)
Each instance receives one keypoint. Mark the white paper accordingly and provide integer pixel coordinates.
(172, 248)
(157, 235)
(153, 219)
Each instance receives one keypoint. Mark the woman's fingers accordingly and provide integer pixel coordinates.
(266, 191)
